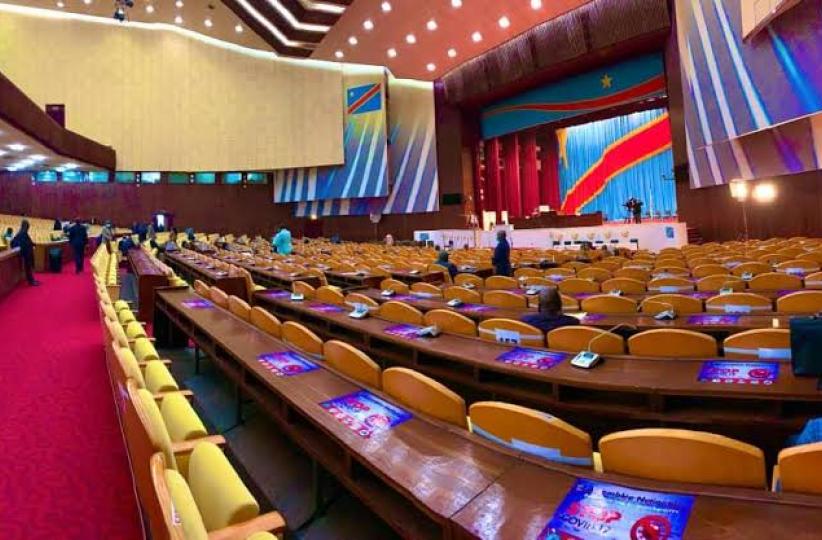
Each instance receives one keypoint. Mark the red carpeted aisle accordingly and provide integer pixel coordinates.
(63, 465)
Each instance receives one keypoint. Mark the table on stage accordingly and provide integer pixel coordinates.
(148, 276)
(191, 269)
(622, 392)
(430, 480)
(11, 270)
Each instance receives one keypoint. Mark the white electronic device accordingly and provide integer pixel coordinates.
(360, 311)
(667, 315)
(387, 293)
(747, 276)
(469, 285)
(414, 272)
(726, 290)
(294, 274)
(456, 302)
(428, 331)
(297, 297)
(585, 360)
(615, 292)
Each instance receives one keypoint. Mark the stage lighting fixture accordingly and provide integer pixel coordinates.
(764, 193)
(119, 14)
(129, 3)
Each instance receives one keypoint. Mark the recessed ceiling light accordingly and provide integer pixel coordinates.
(2, 152)
(339, 54)
(61, 5)
(386, 7)
(392, 52)
(456, 3)
(353, 40)
(179, 3)
(208, 23)
(411, 39)
(504, 22)
(430, 67)
(70, 165)
(238, 29)
(476, 37)
(37, 157)
(149, 8)
(17, 147)
(536, 4)
(87, 2)
(178, 20)
(452, 53)
(368, 24)
(431, 25)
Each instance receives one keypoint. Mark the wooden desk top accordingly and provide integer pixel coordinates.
(143, 264)
(207, 270)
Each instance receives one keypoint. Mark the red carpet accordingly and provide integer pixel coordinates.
(63, 465)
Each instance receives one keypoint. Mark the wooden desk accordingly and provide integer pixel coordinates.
(353, 280)
(268, 277)
(11, 270)
(190, 269)
(148, 277)
(41, 253)
(415, 476)
(429, 480)
(623, 392)
(422, 277)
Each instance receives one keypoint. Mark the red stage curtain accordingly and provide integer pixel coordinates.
(549, 183)
(493, 179)
(530, 174)
(510, 156)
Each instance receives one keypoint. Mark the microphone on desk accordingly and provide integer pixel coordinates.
(727, 288)
(587, 359)
(668, 314)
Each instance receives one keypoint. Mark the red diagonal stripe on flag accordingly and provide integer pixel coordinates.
(363, 98)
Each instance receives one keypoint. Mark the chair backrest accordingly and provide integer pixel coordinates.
(400, 312)
(434, 268)
(462, 279)
(239, 307)
(301, 287)
(800, 302)
(626, 285)
(606, 303)
(813, 281)
(359, 298)
(774, 281)
(135, 330)
(677, 455)
(527, 272)
(501, 282)
(329, 295)
(509, 331)
(424, 394)
(302, 338)
(151, 419)
(672, 342)
(582, 338)
(513, 425)
(633, 273)
(715, 283)
(219, 297)
(462, 294)
(201, 288)
(505, 299)
(763, 343)
(754, 268)
(575, 285)
(144, 350)
(596, 274)
(427, 289)
(352, 362)
(738, 302)
(265, 321)
(180, 419)
(451, 322)
(805, 265)
(705, 270)
(395, 285)
(662, 302)
(799, 468)
(158, 378)
(129, 367)
(670, 285)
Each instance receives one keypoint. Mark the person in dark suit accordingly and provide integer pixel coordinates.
(502, 256)
(78, 238)
(58, 225)
(23, 242)
(442, 260)
(637, 210)
(549, 315)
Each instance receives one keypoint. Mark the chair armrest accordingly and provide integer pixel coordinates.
(188, 394)
(271, 522)
(150, 339)
(186, 447)
(775, 484)
(165, 362)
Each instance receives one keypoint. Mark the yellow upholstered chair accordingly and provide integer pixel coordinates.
(715, 283)
(329, 295)
(680, 303)
(774, 281)
(595, 274)
(505, 299)
(302, 338)
(427, 289)
(400, 312)
(512, 424)
(421, 393)
(706, 270)
(798, 467)
(626, 285)
(212, 502)
(303, 288)
(144, 350)
(753, 268)
(434, 268)
(572, 286)
(462, 279)
(126, 316)
(135, 330)
(219, 297)
(607, 303)
(671, 342)
(798, 265)
(501, 282)
(582, 338)
(265, 321)
(569, 303)
(763, 343)
(451, 322)
(509, 331)
(633, 273)
(462, 294)
(352, 362)
(395, 285)
(800, 302)
(813, 281)
(561, 272)
(201, 288)
(359, 298)
(670, 285)
(677, 455)
(527, 272)
(738, 302)
(239, 307)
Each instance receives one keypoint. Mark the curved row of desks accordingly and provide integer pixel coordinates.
(191, 269)
(11, 270)
(622, 392)
(148, 276)
(431, 480)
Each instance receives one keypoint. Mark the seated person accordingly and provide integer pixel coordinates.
(549, 315)
(126, 244)
(8, 235)
(442, 260)
(171, 245)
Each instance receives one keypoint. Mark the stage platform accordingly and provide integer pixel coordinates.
(652, 236)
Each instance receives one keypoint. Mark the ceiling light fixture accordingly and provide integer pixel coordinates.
(16, 147)
(431, 25)
(179, 3)
(208, 23)
(456, 3)
(430, 67)
(149, 8)
(452, 53)
(353, 40)
(61, 5)
(178, 20)
(536, 4)
(238, 29)
(339, 54)
(392, 52)
(368, 24)
(504, 22)
(37, 157)
(87, 2)
(476, 37)
(386, 7)
(411, 39)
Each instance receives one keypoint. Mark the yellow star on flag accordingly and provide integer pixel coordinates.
(606, 81)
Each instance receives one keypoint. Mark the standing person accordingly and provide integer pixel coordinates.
(9, 235)
(637, 211)
(549, 315)
(442, 260)
(107, 236)
(58, 225)
(78, 238)
(282, 241)
(23, 241)
(389, 239)
(502, 256)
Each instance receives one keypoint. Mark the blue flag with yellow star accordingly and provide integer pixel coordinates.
(364, 99)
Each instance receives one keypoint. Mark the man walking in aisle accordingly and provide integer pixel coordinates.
(78, 238)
